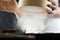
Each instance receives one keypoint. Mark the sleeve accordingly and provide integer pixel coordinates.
(7, 21)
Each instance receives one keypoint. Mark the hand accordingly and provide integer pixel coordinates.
(53, 5)
(57, 11)
(9, 6)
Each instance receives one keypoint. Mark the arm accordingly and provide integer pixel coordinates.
(9, 6)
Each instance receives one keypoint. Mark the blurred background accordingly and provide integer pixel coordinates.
(10, 33)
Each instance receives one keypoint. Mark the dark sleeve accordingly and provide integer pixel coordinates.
(7, 21)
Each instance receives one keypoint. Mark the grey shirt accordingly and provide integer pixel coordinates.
(7, 21)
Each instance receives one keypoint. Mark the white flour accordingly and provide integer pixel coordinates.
(33, 19)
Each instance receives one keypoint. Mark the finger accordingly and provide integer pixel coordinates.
(52, 7)
(53, 2)
(49, 11)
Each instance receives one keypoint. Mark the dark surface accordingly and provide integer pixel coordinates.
(9, 36)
